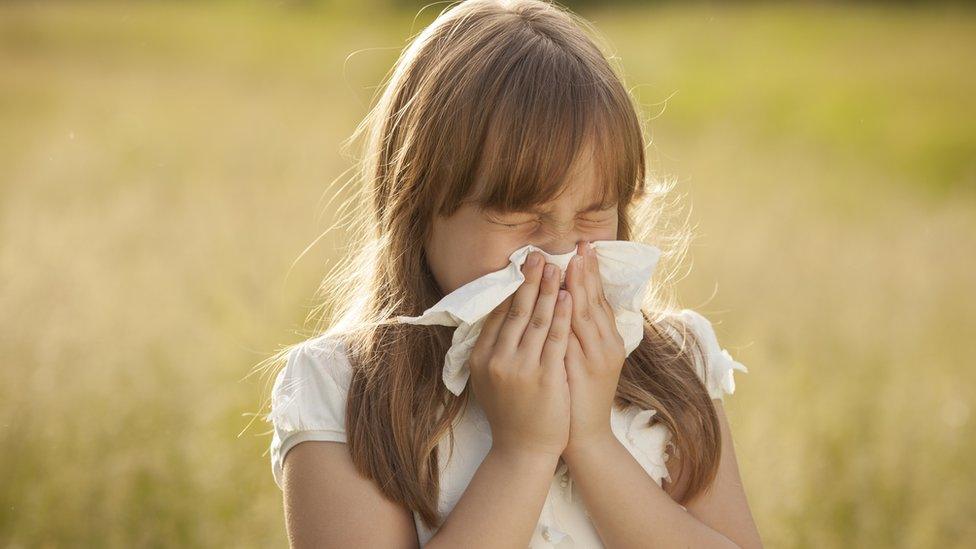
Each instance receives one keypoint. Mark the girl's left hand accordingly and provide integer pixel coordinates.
(595, 354)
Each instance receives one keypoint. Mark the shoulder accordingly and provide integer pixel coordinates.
(308, 399)
(318, 361)
(714, 365)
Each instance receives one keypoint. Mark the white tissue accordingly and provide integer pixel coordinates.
(625, 268)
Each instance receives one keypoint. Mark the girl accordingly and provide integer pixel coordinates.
(503, 125)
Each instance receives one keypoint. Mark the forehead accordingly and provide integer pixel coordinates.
(579, 183)
(582, 190)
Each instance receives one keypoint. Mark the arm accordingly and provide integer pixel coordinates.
(501, 505)
(517, 375)
(328, 504)
(629, 509)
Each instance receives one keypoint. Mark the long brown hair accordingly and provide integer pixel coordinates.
(492, 103)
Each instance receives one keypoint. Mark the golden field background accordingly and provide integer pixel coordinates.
(163, 165)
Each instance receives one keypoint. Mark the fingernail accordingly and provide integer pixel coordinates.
(533, 260)
(547, 272)
(562, 295)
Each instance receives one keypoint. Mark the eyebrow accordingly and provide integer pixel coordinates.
(594, 207)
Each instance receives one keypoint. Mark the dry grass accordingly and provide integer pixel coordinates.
(163, 165)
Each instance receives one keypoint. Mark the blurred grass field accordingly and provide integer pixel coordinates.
(163, 164)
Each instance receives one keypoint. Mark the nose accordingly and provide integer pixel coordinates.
(559, 243)
(560, 246)
(552, 251)
(559, 252)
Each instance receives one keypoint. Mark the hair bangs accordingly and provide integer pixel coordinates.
(550, 115)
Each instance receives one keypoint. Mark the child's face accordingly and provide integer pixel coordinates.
(471, 243)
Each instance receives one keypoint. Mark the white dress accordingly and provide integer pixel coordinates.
(308, 403)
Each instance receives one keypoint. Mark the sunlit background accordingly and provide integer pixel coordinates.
(164, 165)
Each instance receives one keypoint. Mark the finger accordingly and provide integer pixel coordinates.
(574, 356)
(583, 322)
(557, 339)
(598, 300)
(490, 327)
(538, 328)
(522, 304)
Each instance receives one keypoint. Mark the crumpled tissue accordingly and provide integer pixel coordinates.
(625, 269)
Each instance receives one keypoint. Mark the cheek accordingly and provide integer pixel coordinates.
(599, 231)
(605, 232)
(490, 254)
(464, 247)
(471, 258)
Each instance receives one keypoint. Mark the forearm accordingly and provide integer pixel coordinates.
(627, 507)
(502, 503)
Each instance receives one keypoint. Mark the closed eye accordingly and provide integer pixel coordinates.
(531, 221)
(541, 220)
(510, 225)
(514, 225)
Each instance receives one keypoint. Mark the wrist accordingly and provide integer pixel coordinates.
(525, 458)
(584, 448)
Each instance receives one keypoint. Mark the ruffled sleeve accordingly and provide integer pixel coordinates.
(718, 375)
(308, 398)
(650, 441)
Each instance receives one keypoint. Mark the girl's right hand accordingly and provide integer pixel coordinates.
(517, 364)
